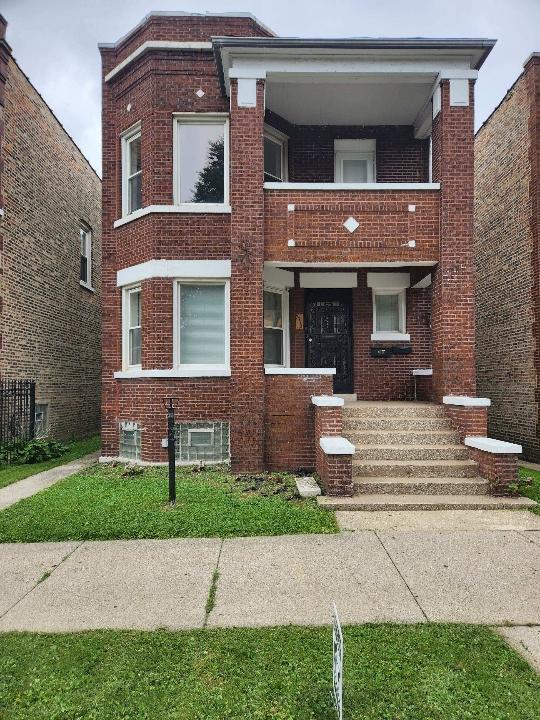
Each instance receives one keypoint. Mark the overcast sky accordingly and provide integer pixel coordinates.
(55, 41)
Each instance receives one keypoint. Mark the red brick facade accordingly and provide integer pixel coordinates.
(50, 323)
(507, 189)
(271, 417)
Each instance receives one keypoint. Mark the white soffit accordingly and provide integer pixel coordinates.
(378, 102)
(329, 280)
(388, 281)
(423, 283)
(173, 269)
(275, 277)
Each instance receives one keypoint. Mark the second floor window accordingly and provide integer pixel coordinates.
(131, 171)
(275, 155)
(354, 161)
(201, 159)
(85, 235)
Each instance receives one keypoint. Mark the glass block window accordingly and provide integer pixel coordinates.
(130, 441)
(41, 420)
(202, 442)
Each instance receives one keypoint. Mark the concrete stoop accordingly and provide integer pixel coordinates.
(408, 457)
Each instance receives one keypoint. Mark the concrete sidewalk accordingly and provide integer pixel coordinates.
(11, 494)
(477, 576)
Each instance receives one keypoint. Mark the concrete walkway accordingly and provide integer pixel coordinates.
(11, 494)
(474, 576)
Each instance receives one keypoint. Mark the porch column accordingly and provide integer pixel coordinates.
(453, 333)
(247, 251)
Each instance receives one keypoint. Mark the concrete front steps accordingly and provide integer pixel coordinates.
(409, 457)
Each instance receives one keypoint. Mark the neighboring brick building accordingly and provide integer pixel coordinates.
(50, 200)
(507, 188)
(284, 218)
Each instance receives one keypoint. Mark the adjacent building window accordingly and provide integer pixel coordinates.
(389, 315)
(131, 313)
(201, 159)
(85, 235)
(275, 155)
(202, 442)
(202, 324)
(354, 161)
(41, 420)
(131, 170)
(276, 319)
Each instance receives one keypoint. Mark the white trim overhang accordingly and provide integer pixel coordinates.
(359, 265)
(196, 208)
(336, 187)
(207, 269)
(173, 45)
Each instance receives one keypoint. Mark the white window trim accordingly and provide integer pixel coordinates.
(198, 369)
(126, 291)
(402, 335)
(126, 138)
(279, 138)
(195, 431)
(88, 230)
(199, 118)
(285, 322)
(355, 150)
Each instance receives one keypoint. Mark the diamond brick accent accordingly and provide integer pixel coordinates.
(351, 224)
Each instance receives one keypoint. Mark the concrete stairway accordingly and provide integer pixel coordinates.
(409, 457)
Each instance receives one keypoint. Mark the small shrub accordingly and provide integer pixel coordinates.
(40, 450)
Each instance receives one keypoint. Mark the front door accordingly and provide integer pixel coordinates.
(329, 335)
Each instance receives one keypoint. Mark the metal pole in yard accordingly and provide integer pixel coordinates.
(171, 452)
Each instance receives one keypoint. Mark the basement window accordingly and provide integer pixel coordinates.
(130, 441)
(206, 442)
(41, 420)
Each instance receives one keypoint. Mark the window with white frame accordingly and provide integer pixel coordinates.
(132, 327)
(354, 161)
(85, 236)
(275, 155)
(389, 315)
(202, 324)
(131, 170)
(201, 159)
(275, 326)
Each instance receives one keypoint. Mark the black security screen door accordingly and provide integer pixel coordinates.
(328, 334)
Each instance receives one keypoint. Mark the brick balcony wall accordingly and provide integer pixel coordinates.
(50, 324)
(506, 267)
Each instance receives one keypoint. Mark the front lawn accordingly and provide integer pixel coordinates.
(423, 672)
(107, 503)
(532, 489)
(76, 449)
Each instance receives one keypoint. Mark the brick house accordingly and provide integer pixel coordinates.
(50, 248)
(287, 230)
(507, 261)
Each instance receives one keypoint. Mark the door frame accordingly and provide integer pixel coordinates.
(345, 295)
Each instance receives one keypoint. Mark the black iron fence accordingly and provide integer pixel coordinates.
(17, 416)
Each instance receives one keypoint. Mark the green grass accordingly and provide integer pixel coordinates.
(105, 503)
(77, 449)
(531, 490)
(431, 672)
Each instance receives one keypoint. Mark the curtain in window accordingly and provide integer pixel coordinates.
(387, 313)
(202, 324)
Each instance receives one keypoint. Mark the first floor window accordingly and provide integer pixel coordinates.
(132, 327)
(203, 323)
(389, 313)
(131, 171)
(201, 159)
(274, 328)
(275, 156)
(85, 236)
(41, 420)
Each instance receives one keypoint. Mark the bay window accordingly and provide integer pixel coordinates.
(131, 170)
(202, 324)
(132, 327)
(201, 159)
